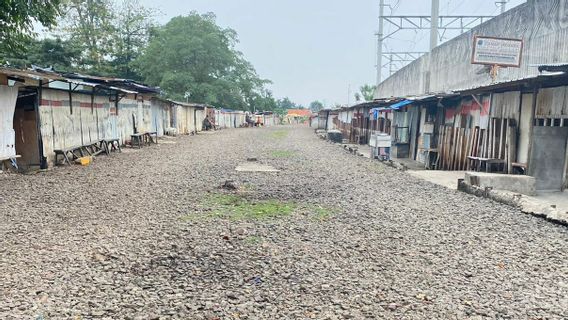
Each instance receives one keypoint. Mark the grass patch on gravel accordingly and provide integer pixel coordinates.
(279, 134)
(253, 240)
(248, 187)
(320, 213)
(236, 207)
(282, 154)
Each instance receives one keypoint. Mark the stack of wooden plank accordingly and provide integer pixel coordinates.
(457, 145)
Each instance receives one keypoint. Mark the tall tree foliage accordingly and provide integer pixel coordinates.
(17, 18)
(133, 25)
(316, 106)
(285, 104)
(55, 53)
(368, 92)
(192, 55)
(89, 25)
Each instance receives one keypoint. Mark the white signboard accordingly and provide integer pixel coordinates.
(497, 51)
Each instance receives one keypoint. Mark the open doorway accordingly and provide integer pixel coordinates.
(26, 130)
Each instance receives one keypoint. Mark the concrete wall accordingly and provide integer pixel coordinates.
(519, 184)
(543, 25)
(548, 157)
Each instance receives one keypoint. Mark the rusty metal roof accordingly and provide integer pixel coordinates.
(116, 84)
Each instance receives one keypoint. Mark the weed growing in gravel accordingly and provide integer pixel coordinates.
(282, 154)
(239, 208)
(253, 240)
(279, 134)
(319, 213)
(247, 187)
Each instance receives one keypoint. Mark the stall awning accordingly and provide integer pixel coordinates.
(400, 105)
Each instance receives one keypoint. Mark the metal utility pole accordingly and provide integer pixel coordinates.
(380, 38)
(445, 23)
(503, 4)
(434, 24)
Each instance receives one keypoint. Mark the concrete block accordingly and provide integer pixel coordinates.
(519, 184)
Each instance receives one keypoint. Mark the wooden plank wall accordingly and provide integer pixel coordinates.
(474, 133)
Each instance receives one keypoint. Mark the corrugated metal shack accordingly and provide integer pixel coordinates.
(56, 111)
(188, 117)
(327, 119)
(42, 111)
(512, 127)
(227, 118)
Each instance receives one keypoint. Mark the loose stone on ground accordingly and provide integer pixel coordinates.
(145, 235)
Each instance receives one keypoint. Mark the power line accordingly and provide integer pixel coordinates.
(434, 22)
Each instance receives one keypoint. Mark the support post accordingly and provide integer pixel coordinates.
(435, 17)
(380, 38)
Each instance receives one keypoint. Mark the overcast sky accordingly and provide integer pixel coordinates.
(317, 49)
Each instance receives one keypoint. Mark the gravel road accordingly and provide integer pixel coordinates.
(133, 237)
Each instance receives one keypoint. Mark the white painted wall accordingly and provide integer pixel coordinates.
(8, 97)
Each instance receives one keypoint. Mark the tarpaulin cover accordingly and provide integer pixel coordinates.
(400, 105)
(375, 112)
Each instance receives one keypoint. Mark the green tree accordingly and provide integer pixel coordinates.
(55, 53)
(130, 37)
(316, 106)
(17, 18)
(285, 104)
(193, 55)
(368, 92)
(89, 25)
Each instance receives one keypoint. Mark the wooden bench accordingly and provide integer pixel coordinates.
(70, 153)
(95, 148)
(151, 137)
(110, 145)
(75, 152)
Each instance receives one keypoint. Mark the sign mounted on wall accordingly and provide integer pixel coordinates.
(493, 51)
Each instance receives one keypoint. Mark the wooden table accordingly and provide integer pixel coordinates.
(476, 163)
(522, 168)
(145, 138)
(137, 138)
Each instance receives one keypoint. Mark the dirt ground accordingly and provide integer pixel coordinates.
(148, 234)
